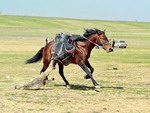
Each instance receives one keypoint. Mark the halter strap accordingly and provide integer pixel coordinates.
(91, 41)
(96, 42)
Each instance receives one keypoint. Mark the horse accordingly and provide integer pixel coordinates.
(83, 47)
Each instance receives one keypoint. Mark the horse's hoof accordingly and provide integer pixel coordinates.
(42, 73)
(68, 86)
(97, 87)
(87, 77)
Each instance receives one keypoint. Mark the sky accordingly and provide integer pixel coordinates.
(122, 10)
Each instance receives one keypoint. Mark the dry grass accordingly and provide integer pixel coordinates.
(125, 90)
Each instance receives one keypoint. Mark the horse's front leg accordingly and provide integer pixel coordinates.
(87, 63)
(84, 67)
(61, 72)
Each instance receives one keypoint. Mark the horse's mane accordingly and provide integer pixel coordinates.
(87, 33)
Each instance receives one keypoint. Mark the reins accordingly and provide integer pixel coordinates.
(96, 42)
(91, 41)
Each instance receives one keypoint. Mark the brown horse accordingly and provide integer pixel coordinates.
(83, 48)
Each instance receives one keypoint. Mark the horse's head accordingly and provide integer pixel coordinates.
(103, 41)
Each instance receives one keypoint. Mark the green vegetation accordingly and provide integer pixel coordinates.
(125, 90)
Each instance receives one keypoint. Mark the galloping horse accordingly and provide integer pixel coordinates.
(83, 48)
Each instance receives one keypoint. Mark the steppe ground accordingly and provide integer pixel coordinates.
(125, 90)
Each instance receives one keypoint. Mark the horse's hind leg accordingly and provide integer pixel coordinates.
(46, 62)
(61, 72)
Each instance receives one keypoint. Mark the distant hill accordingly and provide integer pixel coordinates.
(42, 26)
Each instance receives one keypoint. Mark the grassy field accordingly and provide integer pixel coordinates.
(126, 90)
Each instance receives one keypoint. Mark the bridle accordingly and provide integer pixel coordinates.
(95, 43)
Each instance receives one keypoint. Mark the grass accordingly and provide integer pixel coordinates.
(125, 90)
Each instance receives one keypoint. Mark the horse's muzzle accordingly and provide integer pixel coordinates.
(109, 50)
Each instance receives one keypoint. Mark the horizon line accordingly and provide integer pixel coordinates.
(72, 18)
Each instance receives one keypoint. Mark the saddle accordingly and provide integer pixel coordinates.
(63, 49)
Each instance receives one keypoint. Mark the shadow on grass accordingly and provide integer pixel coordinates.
(84, 87)
(111, 87)
(45, 89)
(77, 87)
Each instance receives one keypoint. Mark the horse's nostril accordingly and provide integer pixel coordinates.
(110, 49)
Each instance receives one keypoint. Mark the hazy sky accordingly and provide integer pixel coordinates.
(124, 10)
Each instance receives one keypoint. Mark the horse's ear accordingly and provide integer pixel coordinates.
(104, 30)
(46, 40)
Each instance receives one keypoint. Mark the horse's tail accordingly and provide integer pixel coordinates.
(37, 57)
